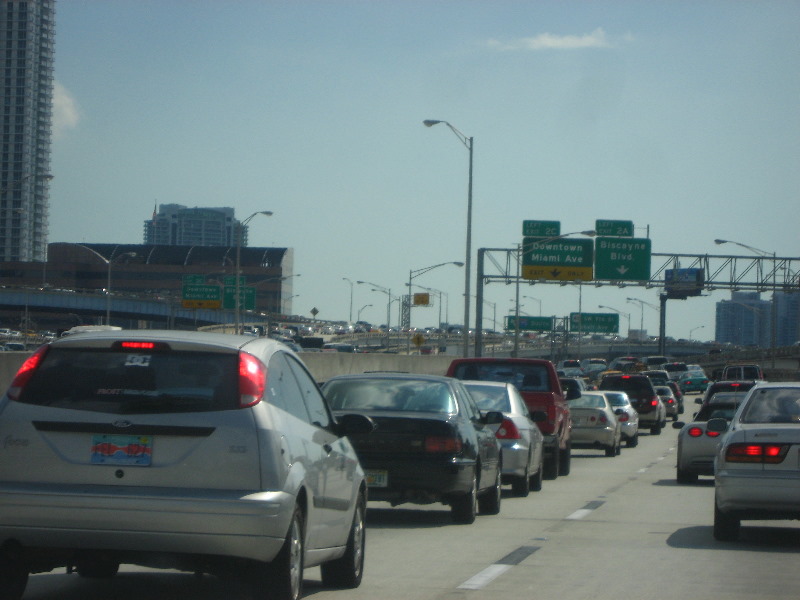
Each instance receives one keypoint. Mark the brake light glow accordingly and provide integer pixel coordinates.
(507, 431)
(138, 345)
(757, 453)
(437, 443)
(695, 432)
(26, 371)
(252, 380)
(623, 417)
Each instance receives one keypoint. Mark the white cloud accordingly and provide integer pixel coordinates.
(65, 110)
(549, 41)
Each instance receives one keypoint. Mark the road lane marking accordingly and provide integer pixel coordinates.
(492, 572)
(585, 511)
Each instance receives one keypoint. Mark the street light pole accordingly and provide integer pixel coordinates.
(412, 273)
(238, 302)
(469, 143)
(351, 298)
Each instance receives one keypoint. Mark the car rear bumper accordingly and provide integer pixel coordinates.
(759, 494)
(515, 458)
(593, 437)
(420, 481)
(219, 523)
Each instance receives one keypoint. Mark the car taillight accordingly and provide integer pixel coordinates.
(252, 380)
(623, 417)
(25, 372)
(438, 443)
(756, 453)
(654, 402)
(695, 431)
(507, 431)
(670, 401)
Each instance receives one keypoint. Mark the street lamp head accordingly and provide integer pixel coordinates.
(267, 213)
(431, 122)
(459, 264)
(718, 242)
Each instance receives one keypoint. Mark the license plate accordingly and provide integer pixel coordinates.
(122, 450)
(376, 478)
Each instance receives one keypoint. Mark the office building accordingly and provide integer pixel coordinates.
(744, 320)
(27, 31)
(788, 310)
(177, 225)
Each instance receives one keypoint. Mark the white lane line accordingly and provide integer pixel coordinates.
(485, 577)
(579, 514)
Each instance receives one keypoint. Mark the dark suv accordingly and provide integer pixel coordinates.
(644, 399)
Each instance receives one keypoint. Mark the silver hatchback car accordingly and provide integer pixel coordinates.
(194, 451)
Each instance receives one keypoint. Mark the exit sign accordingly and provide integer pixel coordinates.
(543, 229)
(605, 227)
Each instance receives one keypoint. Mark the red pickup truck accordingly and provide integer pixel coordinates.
(538, 382)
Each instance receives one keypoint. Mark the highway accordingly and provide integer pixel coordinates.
(614, 528)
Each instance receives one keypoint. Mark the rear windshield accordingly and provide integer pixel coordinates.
(773, 405)
(721, 405)
(632, 385)
(527, 378)
(389, 395)
(675, 367)
(122, 382)
(490, 397)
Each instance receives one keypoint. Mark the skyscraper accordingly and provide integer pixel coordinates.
(177, 225)
(27, 32)
(744, 320)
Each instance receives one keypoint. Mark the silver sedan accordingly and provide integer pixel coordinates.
(628, 419)
(757, 467)
(519, 436)
(595, 424)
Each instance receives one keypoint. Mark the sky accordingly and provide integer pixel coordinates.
(682, 117)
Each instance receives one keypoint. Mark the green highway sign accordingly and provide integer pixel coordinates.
(563, 259)
(622, 259)
(543, 229)
(605, 227)
(194, 279)
(594, 322)
(201, 292)
(231, 280)
(200, 295)
(247, 297)
(530, 323)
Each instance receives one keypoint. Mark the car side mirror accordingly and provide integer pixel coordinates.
(718, 425)
(355, 424)
(493, 417)
(538, 416)
(678, 424)
(698, 400)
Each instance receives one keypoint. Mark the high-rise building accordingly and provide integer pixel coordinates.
(177, 225)
(27, 32)
(744, 320)
(788, 310)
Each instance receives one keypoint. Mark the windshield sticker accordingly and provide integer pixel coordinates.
(137, 360)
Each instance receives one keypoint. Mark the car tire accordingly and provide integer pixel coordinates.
(13, 579)
(684, 476)
(536, 480)
(282, 579)
(632, 442)
(565, 459)
(655, 429)
(347, 571)
(551, 464)
(611, 451)
(726, 527)
(464, 507)
(521, 486)
(489, 501)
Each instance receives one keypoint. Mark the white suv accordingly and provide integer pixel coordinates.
(195, 451)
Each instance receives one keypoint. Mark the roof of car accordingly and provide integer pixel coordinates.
(222, 340)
